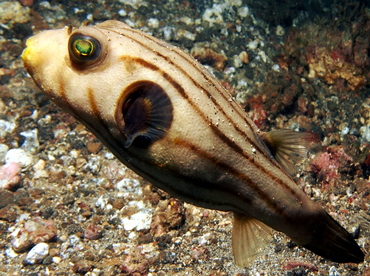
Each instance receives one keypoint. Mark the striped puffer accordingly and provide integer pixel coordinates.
(168, 119)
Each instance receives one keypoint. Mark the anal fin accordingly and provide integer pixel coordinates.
(249, 237)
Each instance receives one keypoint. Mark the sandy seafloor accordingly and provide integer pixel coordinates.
(304, 66)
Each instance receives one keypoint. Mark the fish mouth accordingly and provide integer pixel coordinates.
(29, 55)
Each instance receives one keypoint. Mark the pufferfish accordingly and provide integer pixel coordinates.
(168, 119)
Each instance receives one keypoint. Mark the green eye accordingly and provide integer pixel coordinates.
(83, 47)
(83, 50)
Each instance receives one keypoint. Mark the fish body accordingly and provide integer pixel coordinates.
(168, 119)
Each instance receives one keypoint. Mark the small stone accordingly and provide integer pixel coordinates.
(37, 254)
(93, 232)
(237, 61)
(8, 213)
(118, 204)
(40, 171)
(5, 126)
(129, 186)
(212, 16)
(10, 175)
(139, 221)
(56, 260)
(244, 57)
(243, 11)
(13, 12)
(31, 232)
(279, 31)
(22, 198)
(20, 156)
(6, 197)
(31, 142)
(333, 271)
(365, 133)
(253, 44)
(122, 12)
(276, 67)
(82, 267)
(204, 53)
(94, 147)
(153, 22)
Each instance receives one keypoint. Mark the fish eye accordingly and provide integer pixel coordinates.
(83, 50)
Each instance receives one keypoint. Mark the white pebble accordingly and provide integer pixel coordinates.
(19, 156)
(279, 31)
(139, 221)
(237, 61)
(10, 253)
(77, 10)
(56, 260)
(333, 271)
(153, 22)
(108, 155)
(229, 70)
(45, 4)
(39, 169)
(31, 142)
(345, 130)
(37, 253)
(102, 202)
(205, 239)
(276, 67)
(129, 185)
(6, 128)
(263, 55)
(188, 35)
(237, 3)
(253, 44)
(243, 11)
(122, 12)
(365, 133)
(212, 16)
(187, 20)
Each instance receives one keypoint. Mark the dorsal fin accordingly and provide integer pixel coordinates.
(287, 146)
(250, 236)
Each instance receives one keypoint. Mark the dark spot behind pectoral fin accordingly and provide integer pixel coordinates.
(147, 114)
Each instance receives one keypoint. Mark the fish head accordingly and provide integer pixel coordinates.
(89, 71)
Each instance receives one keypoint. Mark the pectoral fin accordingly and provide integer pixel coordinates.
(249, 238)
(147, 114)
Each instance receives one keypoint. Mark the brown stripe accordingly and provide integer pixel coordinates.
(94, 107)
(219, 88)
(219, 133)
(225, 95)
(215, 129)
(222, 91)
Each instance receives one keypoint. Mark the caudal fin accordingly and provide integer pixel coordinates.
(334, 243)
